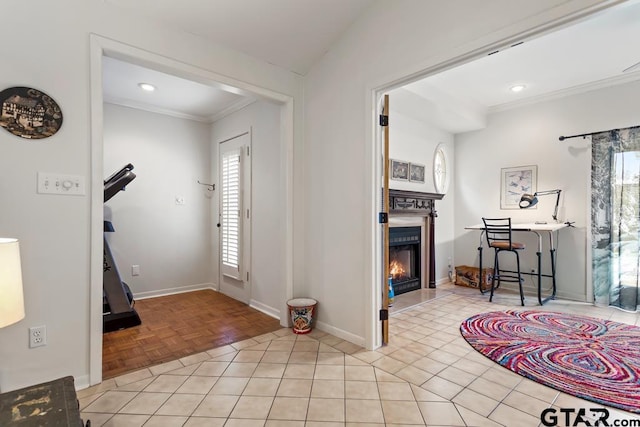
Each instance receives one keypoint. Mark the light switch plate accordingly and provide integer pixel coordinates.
(55, 183)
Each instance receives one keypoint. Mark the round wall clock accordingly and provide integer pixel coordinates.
(29, 113)
(440, 172)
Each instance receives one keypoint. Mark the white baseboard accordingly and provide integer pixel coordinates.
(81, 382)
(269, 311)
(347, 336)
(567, 296)
(173, 291)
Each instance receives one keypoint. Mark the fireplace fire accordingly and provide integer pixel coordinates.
(396, 269)
(404, 258)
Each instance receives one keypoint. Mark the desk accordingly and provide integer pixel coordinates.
(538, 229)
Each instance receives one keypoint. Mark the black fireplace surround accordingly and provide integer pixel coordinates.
(404, 258)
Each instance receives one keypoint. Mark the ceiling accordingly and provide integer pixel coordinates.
(292, 34)
(589, 54)
(295, 34)
(173, 96)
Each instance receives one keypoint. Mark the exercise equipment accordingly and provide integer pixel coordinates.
(118, 310)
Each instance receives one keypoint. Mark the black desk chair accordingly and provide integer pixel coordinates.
(498, 234)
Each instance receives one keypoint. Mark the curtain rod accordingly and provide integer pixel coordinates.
(562, 138)
(584, 135)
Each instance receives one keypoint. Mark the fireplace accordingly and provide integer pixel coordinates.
(405, 258)
(414, 210)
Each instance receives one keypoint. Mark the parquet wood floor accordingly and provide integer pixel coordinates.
(180, 325)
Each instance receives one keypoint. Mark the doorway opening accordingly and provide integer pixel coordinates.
(408, 89)
(102, 48)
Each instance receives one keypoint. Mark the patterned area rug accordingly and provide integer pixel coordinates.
(597, 360)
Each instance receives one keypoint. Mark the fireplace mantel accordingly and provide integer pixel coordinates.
(415, 203)
(412, 202)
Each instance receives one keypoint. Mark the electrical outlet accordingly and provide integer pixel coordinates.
(37, 336)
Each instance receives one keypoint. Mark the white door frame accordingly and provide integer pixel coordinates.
(101, 46)
(373, 292)
(246, 216)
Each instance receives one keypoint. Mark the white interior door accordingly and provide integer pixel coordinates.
(235, 216)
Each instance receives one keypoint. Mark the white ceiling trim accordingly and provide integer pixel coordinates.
(242, 103)
(575, 90)
(153, 109)
(239, 105)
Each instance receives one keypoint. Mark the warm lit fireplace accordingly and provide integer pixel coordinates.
(412, 214)
(404, 258)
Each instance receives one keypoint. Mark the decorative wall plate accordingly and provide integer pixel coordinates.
(29, 113)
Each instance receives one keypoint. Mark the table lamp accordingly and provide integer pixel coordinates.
(11, 297)
(529, 200)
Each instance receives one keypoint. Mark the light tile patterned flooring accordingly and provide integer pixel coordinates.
(427, 375)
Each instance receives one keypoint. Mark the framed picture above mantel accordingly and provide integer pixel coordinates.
(399, 170)
(406, 171)
(416, 173)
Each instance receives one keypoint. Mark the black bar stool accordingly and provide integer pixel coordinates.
(498, 233)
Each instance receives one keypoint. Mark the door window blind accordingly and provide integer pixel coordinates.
(231, 211)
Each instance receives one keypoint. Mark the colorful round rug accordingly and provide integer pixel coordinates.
(594, 359)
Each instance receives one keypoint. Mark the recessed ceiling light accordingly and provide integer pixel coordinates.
(147, 86)
(517, 88)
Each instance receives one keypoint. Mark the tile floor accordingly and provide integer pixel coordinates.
(428, 375)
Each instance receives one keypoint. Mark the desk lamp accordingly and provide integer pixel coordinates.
(11, 297)
(529, 200)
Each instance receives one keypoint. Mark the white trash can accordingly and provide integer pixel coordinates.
(302, 311)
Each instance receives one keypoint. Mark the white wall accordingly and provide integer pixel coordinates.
(385, 45)
(333, 213)
(55, 231)
(267, 200)
(529, 136)
(169, 242)
(415, 141)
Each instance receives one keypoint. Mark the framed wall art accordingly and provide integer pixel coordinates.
(29, 113)
(514, 183)
(416, 173)
(399, 170)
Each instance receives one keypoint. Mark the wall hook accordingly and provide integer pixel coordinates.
(210, 187)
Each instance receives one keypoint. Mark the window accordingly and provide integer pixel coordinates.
(231, 209)
(440, 173)
(615, 217)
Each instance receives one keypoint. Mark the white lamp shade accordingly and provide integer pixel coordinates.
(11, 297)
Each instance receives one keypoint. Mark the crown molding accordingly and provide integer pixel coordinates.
(153, 109)
(575, 90)
(236, 106)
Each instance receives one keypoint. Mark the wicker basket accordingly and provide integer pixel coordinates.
(469, 276)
